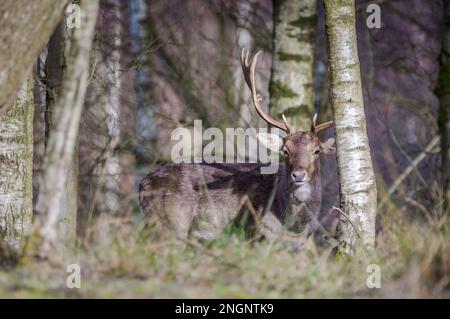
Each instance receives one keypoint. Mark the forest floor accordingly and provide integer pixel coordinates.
(413, 260)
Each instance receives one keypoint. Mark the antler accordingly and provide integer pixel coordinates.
(318, 128)
(249, 75)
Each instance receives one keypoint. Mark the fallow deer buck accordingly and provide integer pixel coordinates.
(202, 199)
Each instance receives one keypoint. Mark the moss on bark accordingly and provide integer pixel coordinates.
(293, 61)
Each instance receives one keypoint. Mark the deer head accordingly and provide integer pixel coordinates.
(302, 148)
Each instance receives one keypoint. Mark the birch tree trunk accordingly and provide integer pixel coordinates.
(25, 27)
(128, 106)
(100, 169)
(356, 175)
(55, 66)
(16, 168)
(292, 79)
(443, 92)
(62, 139)
(109, 174)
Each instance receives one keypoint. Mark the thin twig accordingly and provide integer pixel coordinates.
(428, 149)
(348, 218)
(422, 208)
(410, 160)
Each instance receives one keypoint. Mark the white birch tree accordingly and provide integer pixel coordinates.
(16, 168)
(109, 72)
(100, 136)
(356, 176)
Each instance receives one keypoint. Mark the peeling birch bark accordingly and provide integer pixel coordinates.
(16, 168)
(292, 79)
(62, 139)
(356, 175)
(25, 27)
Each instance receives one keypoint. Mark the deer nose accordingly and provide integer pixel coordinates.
(299, 175)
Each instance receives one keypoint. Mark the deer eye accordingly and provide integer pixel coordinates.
(317, 152)
(285, 152)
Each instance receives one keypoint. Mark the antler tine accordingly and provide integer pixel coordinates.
(249, 75)
(318, 128)
(286, 123)
(245, 66)
(323, 126)
(313, 123)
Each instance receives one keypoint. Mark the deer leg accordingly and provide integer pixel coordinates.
(178, 219)
(271, 228)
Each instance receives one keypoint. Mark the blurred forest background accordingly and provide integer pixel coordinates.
(158, 65)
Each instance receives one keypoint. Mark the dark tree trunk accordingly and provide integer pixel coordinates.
(443, 91)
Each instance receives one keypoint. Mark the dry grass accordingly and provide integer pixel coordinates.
(120, 258)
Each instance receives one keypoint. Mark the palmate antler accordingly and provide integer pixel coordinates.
(248, 68)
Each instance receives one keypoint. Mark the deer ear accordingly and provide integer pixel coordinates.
(328, 146)
(272, 141)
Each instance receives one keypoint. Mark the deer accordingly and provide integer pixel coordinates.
(202, 199)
